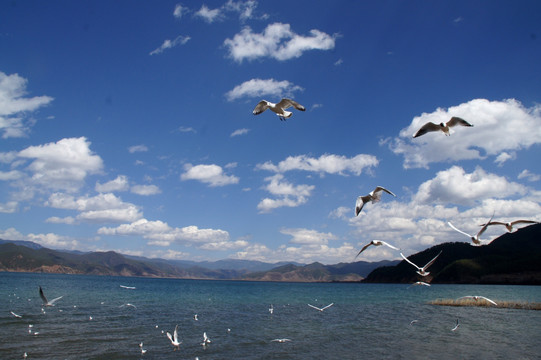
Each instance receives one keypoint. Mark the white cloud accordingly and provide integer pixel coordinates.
(260, 87)
(179, 11)
(118, 184)
(209, 15)
(526, 174)
(277, 41)
(168, 44)
(137, 148)
(145, 190)
(504, 156)
(186, 129)
(62, 165)
(58, 220)
(239, 132)
(245, 9)
(15, 108)
(327, 163)
(10, 175)
(11, 234)
(161, 234)
(9, 207)
(288, 194)
(308, 237)
(209, 174)
(102, 208)
(498, 126)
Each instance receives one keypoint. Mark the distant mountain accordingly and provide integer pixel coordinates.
(513, 258)
(29, 244)
(317, 272)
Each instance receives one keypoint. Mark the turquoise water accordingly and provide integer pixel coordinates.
(367, 321)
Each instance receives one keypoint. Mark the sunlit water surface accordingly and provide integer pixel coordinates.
(367, 321)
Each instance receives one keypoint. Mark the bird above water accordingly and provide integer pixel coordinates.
(45, 301)
(474, 238)
(421, 270)
(376, 243)
(430, 126)
(374, 197)
(279, 109)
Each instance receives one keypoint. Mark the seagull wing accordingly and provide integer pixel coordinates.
(490, 301)
(389, 245)
(494, 223)
(405, 258)
(42, 295)
(431, 261)
(328, 306)
(363, 249)
(285, 103)
(359, 204)
(262, 106)
(175, 334)
(170, 337)
(484, 227)
(315, 307)
(457, 121)
(55, 300)
(524, 222)
(428, 127)
(381, 188)
(460, 231)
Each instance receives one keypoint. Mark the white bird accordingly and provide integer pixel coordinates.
(174, 339)
(430, 126)
(45, 301)
(477, 297)
(142, 350)
(509, 225)
(456, 326)
(281, 340)
(206, 340)
(195, 317)
(128, 304)
(420, 283)
(321, 309)
(271, 309)
(279, 109)
(475, 239)
(374, 197)
(421, 270)
(413, 322)
(17, 316)
(376, 243)
(127, 287)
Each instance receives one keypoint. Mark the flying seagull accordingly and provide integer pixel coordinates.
(271, 309)
(142, 350)
(45, 302)
(127, 287)
(16, 315)
(206, 340)
(376, 243)
(430, 126)
(419, 283)
(279, 109)
(321, 309)
(281, 340)
(374, 197)
(477, 297)
(509, 225)
(456, 326)
(421, 270)
(174, 339)
(475, 239)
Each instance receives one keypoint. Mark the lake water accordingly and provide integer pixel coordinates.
(367, 321)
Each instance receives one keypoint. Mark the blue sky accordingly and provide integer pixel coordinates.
(128, 125)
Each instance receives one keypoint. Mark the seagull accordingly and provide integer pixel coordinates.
(430, 126)
(475, 239)
(421, 270)
(281, 340)
(127, 287)
(413, 322)
(321, 309)
(420, 283)
(45, 302)
(174, 339)
(456, 326)
(477, 297)
(271, 309)
(376, 243)
(509, 225)
(128, 304)
(374, 197)
(206, 340)
(17, 316)
(142, 350)
(279, 109)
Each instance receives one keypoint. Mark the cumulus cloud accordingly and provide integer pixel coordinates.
(102, 208)
(145, 190)
(528, 175)
(137, 148)
(209, 174)
(209, 15)
(62, 165)
(308, 237)
(277, 41)
(179, 11)
(499, 126)
(288, 195)
(168, 44)
(262, 87)
(8, 207)
(161, 234)
(15, 108)
(239, 132)
(245, 10)
(327, 163)
(118, 184)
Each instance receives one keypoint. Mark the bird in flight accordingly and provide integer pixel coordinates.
(456, 326)
(45, 301)
(475, 239)
(477, 297)
(279, 109)
(321, 309)
(281, 340)
(509, 225)
(174, 339)
(376, 243)
(206, 340)
(374, 197)
(421, 270)
(430, 126)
